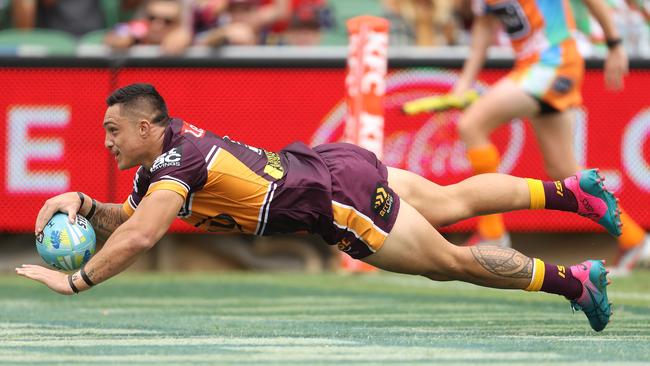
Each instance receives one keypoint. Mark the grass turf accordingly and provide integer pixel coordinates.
(302, 319)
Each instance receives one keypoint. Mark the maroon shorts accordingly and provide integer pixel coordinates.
(364, 208)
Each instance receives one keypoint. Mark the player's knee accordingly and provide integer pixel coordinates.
(469, 131)
(447, 268)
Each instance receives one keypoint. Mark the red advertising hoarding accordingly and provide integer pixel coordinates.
(53, 140)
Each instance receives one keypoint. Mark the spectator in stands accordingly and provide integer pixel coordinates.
(421, 22)
(244, 22)
(307, 21)
(76, 17)
(165, 23)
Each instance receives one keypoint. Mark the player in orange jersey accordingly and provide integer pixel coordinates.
(340, 191)
(543, 87)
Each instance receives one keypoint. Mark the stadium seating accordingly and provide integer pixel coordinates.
(344, 10)
(44, 42)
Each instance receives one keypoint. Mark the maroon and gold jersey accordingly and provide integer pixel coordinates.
(232, 187)
(339, 191)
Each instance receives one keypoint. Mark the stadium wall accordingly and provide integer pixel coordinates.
(52, 109)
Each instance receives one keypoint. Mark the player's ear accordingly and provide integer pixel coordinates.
(144, 127)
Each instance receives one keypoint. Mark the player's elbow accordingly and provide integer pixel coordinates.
(141, 241)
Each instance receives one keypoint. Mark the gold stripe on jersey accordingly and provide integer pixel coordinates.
(169, 185)
(126, 206)
(231, 189)
(346, 217)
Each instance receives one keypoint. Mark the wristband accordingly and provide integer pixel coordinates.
(72, 286)
(85, 277)
(92, 210)
(82, 199)
(611, 43)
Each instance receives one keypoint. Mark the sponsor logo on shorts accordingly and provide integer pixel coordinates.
(167, 159)
(344, 245)
(562, 85)
(382, 202)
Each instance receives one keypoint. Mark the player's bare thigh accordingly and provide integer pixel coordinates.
(415, 247)
(503, 102)
(554, 133)
(438, 204)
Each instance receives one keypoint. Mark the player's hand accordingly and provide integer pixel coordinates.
(55, 280)
(616, 67)
(459, 90)
(67, 202)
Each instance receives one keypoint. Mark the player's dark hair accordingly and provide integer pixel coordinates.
(132, 97)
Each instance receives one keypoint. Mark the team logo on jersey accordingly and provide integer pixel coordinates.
(382, 202)
(169, 158)
(513, 17)
(562, 85)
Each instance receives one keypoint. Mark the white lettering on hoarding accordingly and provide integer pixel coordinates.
(374, 58)
(21, 149)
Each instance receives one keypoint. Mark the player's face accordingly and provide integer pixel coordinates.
(123, 139)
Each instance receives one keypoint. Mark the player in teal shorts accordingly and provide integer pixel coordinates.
(383, 216)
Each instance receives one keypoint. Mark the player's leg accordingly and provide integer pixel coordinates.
(474, 196)
(503, 102)
(495, 193)
(415, 247)
(554, 134)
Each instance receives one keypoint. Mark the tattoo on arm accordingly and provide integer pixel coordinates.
(504, 262)
(107, 218)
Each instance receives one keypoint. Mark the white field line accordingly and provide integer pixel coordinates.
(265, 350)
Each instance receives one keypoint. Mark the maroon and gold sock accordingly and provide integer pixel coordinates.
(554, 279)
(551, 195)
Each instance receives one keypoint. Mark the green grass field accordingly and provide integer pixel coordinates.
(301, 319)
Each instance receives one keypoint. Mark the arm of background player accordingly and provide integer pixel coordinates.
(616, 64)
(139, 233)
(482, 35)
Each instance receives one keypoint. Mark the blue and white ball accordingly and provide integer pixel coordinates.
(64, 245)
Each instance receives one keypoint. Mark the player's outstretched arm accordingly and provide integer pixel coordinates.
(139, 233)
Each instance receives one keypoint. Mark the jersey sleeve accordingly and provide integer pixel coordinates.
(181, 169)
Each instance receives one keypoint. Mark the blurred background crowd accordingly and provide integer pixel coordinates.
(175, 25)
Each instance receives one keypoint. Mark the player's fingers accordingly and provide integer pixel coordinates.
(72, 215)
(42, 218)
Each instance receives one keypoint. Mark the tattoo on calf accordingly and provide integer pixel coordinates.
(504, 262)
